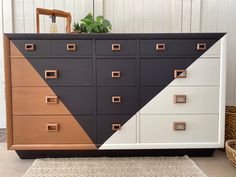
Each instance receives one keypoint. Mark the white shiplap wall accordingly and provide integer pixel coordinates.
(134, 16)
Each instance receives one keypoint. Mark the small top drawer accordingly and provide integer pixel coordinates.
(116, 47)
(196, 46)
(72, 47)
(159, 47)
(31, 47)
(116, 72)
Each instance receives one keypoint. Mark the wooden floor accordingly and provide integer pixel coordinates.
(11, 166)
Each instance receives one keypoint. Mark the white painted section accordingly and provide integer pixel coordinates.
(204, 71)
(127, 134)
(159, 128)
(166, 145)
(222, 95)
(154, 122)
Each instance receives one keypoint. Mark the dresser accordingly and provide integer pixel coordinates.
(119, 94)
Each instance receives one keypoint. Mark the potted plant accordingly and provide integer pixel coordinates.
(90, 25)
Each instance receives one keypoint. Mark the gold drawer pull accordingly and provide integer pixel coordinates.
(201, 46)
(29, 47)
(116, 127)
(51, 74)
(180, 73)
(115, 74)
(71, 47)
(51, 100)
(115, 47)
(52, 127)
(180, 99)
(179, 126)
(160, 47)
(116, 99)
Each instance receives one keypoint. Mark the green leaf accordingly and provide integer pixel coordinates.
(89, 25)
(89, 28)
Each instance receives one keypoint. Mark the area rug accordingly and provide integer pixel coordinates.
(115, 167)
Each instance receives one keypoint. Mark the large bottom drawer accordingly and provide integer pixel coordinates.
(170, 128)
(49, 130)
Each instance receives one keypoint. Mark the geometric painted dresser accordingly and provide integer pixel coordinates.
(115, 94)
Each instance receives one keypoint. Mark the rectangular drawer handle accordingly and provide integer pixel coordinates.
(115, 74)
(51, 74)
(116, 99)
(71, 47)
(179, 126)
(115, 47)
(116, 127)
(180, 99)
(160, 47)
(52, 127)
(180, 73)
(51, 100)
(201, 46)
(29, 47)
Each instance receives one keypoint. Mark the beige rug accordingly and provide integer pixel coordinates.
(115, 167)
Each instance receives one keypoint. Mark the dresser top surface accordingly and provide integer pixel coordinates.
(115, 36)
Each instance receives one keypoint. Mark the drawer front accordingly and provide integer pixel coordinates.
(204, 71)
(43, 101)
(156, 72)
(159, 47)
(32, 47)
(110, 124)
(116, 47)
(116, 72)
(196, 46)
(63, 72)
(72, 47)
(49, 130)
(170, 128)
(127, 104)
(203, 100)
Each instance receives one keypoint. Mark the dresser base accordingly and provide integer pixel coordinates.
(113, 153)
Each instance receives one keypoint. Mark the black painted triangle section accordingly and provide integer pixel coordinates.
(155, 75)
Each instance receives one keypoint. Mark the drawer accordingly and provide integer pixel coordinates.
(157, 72)
(196, 46)
(56, 72)
(49, 130)
(116, 72)
(72, 47)
(203, 100)
(202, 72)
(116, 47)
(31, 47)
(117, 100)
(52, 101)
(170, 128)
(110, 124)
(159, 47)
